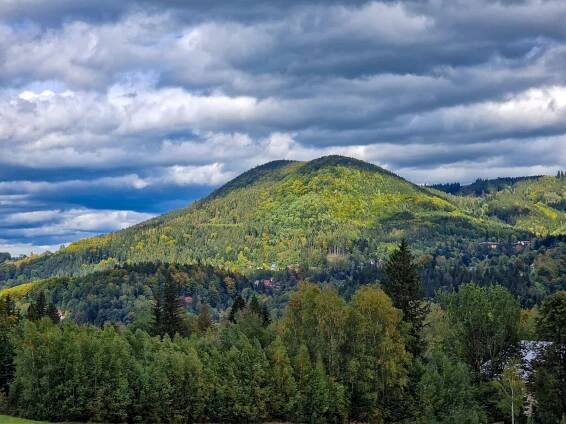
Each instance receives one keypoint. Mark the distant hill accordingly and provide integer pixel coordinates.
(534, 204)
(286, 213)
(481, 187)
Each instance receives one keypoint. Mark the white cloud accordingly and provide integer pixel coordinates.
(383, 22)
(72, 223)
(16, 249)
(212, 174)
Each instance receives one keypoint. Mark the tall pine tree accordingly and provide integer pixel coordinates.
(167, 310)
(404, 287)
(172, 317)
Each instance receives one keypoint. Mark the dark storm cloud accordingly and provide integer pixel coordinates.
(111, 112)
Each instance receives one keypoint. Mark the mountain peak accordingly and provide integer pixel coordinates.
(279, 169)
(338, 160)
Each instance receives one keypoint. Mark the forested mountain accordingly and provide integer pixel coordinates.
(286, 213)
(534, 204)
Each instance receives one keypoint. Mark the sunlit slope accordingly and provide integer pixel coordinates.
(534, 204)
(283, 213)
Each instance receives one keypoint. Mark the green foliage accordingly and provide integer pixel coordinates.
(40, 308)
(530, 272)
(535, 204)
(167, 310)
(403, 285)
(204, 319)
(9, 318)
(284, 397)
(483, 325)
(232, 372)
(551, 324)
(359, 344)
(446, 393)
(126, 294)
(325, 360)
(237, 306)
(550, 368)
(65, 373)
(512, 391)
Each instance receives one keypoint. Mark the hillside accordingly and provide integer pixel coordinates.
(279, 214)
(534, 204)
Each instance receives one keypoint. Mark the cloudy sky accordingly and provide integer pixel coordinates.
(114, 111)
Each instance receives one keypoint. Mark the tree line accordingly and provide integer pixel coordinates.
(385, 355)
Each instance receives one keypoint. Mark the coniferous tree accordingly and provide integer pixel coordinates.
(7, 307)
(265, 315)
(32, 315)
(167, 310)
(237, 306)
(37, 309)
(41, 304)
(254, 306)
(171, 314)
(403, 285)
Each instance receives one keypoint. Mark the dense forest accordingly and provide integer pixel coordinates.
(536, 204)
(123, 294)
(384, 354)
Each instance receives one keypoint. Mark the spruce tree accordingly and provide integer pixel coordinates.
(172, 318)
(41, 305)
(265, 315)
(237, 306)
(404, 287)
(32, 315)
(254, 306)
